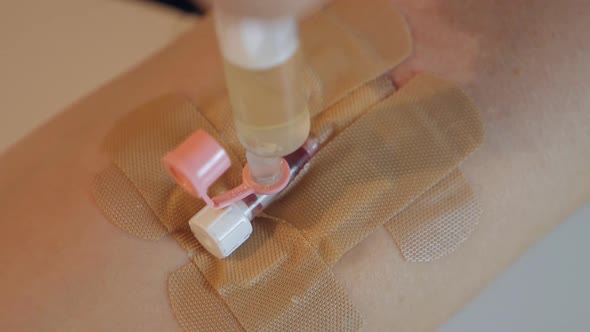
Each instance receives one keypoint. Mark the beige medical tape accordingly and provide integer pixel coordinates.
(196, 304)
(277, 271)
(393, 148)
(125, 206)
(380, 164)
(350, 43)
(438, 222)
(277, 268)
(278, 282)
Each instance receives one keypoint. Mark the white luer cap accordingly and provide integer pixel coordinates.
(256, 43)
(221, 231)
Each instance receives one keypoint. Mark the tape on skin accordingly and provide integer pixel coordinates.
(285, 255)
(197, 306)
(438, 222)
(127, 208)
(289, 247)
(349, 44)
(279, 275)
(383, 162)
(171, 206)
(276, 250)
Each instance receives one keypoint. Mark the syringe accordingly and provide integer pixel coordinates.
(265, 82)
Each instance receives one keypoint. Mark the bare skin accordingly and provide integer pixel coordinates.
(64, 267)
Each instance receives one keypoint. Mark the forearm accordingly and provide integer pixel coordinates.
(67, 267)
(64, 267)
(525, 66)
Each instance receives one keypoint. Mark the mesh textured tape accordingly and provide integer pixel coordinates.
(350, 43)
(272, 257)
(129, 210)
(438, 222)
(196, 304)
(173, 207)
(275, 270)
(137, 145)
(113, 187)
(381, 163)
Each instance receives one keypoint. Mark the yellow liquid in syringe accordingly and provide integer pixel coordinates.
(270, 107)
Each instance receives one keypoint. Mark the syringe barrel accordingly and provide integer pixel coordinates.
(265, 80)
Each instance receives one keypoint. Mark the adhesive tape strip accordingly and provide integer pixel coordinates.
(280, 250)
(437, 222)
(196, 305)
(268, 265)
(276, 257)
(124, 206)
(380, 164)
(350, 43)
(276, 281)
(170, 205)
